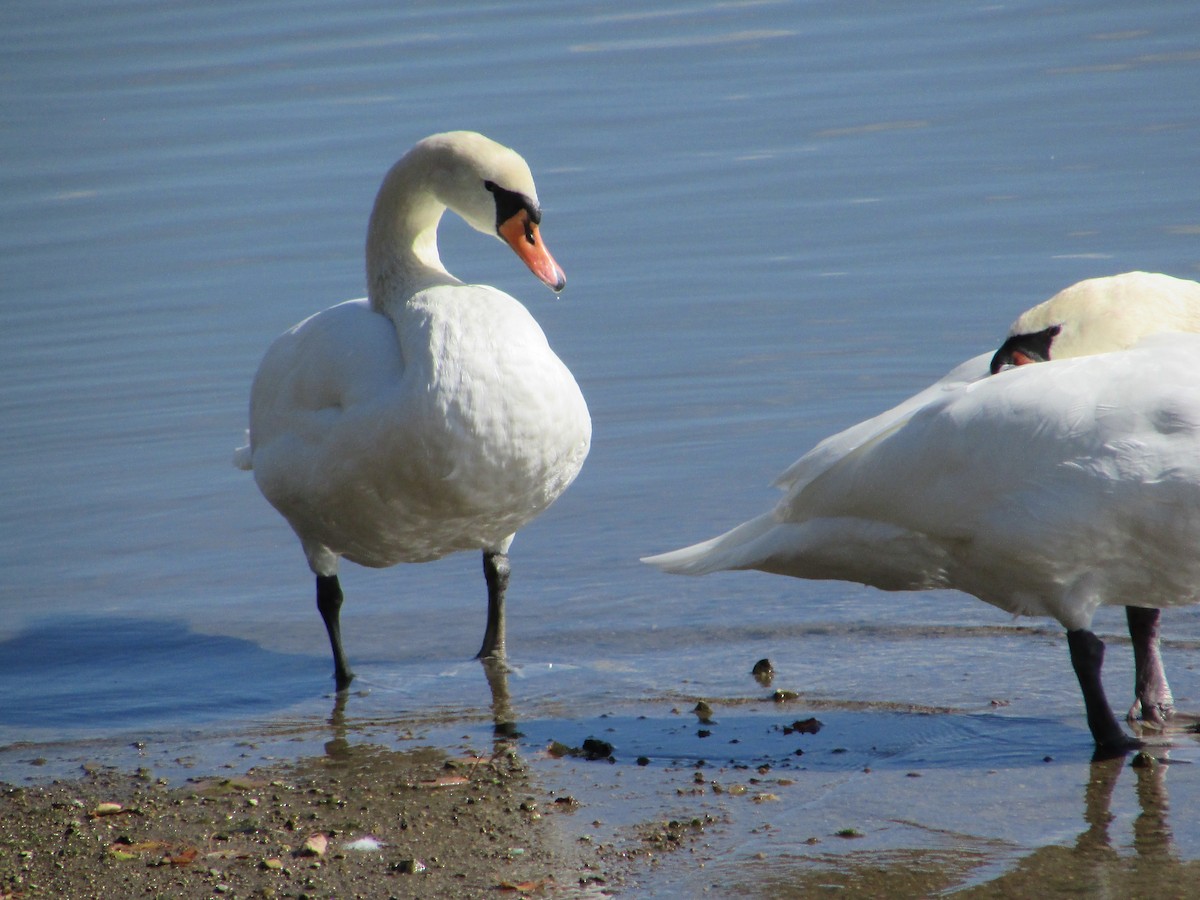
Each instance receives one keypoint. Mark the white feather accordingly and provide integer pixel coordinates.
(1046, 489)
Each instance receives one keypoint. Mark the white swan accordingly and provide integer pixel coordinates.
(1046, 490)
(432, 416)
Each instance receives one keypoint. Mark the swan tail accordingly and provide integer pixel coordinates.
(735, 549)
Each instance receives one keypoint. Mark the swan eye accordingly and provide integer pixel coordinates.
(509, 203)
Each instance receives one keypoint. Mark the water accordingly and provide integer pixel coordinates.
(776, 218)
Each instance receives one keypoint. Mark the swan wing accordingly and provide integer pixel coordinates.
(1046, 490)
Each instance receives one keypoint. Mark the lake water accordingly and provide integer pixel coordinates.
(776, 219)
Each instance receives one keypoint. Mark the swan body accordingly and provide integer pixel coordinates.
(1047, 490)
(1063, 474)
(432, 416)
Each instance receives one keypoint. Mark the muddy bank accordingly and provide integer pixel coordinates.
(364, 822)
(748, 797)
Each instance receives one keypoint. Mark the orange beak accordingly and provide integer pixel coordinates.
(521, 233)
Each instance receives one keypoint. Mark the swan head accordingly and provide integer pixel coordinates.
(1100, 315)
(491, 188)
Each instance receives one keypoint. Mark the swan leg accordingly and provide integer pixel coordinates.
(1153, 703)
(329, 604)
(1087, 658)
(495, 572)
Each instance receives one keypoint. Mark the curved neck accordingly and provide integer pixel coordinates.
(402, 252)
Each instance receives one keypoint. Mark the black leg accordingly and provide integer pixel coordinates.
(329, 604)
(1152, 702)
(1087, 656)
(495, 572)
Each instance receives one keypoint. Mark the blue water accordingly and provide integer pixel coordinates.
(776, 218)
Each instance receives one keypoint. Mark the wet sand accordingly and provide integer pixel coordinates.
(362, 822)
(774, 794)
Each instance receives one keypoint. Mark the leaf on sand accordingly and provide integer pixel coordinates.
(525, 887)
(138, 848)
(107, 809)
(221, 787)
(184, 857)
(167, 853)
(227, 854)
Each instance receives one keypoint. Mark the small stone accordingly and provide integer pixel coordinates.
(315, 845)
(763, 672)
(594, 748)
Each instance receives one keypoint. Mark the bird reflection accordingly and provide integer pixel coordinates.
(338, 746)
(504, 725)
(1152, 839)
(1095, 862)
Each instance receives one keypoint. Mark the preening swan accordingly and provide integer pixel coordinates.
(431, 416)
(1048, 489)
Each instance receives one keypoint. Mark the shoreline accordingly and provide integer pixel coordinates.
(783, 793)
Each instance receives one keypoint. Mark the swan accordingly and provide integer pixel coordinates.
(1045, 490)
(431, 416)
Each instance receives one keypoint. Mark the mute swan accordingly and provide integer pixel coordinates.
(431, 416)
(1048, 489)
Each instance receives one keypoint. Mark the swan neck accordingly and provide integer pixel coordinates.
(402, 251)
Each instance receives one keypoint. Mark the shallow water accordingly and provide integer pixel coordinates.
(776, 219)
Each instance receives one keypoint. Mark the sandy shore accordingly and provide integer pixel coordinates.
(363, 822)
(774, 794)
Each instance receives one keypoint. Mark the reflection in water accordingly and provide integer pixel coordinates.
(338, 746)
(1152, 837)
(503, 718)
(1097, 864)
